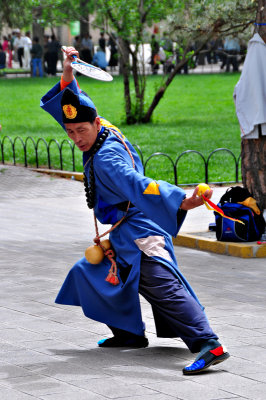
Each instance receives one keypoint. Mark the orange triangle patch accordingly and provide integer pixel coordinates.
(152, 188)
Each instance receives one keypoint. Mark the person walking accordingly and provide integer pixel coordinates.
(36, 54)
(112, 43)
(77, 43)
(232, 48)
(144, 215)
(102, 42)
(87, 48)
(27, 50)
(99, 59)
(2, 60)
(53, 47)
(19, 47)
(155, 59)
(7, 49)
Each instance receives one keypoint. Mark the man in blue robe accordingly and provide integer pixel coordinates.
(142, 241)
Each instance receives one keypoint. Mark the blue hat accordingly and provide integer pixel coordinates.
(77, 107)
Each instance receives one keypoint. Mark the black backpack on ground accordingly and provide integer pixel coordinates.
(231, 231)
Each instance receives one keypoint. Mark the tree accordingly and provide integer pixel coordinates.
(187, 22)
(45, 13)
(51, 13)
(11, 13)
(129, 19)
(197, 22)
(253, 151)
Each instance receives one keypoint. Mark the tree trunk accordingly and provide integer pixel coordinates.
(253, 151)
(261, 18)
(139, 84)
(84, 20)
(125, 70)
(37, 29)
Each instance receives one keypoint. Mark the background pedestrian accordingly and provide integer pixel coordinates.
(36, 53)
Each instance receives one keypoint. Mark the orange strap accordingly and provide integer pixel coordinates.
(211, 206)
(64, 84)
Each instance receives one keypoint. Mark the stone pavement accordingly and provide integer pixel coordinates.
(49, 351)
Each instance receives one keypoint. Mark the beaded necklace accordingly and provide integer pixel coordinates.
(90, 187)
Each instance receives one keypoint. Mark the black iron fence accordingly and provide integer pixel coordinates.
(36, 145)
(12, 144)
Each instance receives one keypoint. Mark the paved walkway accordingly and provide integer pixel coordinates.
(49, 352)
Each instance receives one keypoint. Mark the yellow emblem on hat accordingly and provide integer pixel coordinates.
(70, 111)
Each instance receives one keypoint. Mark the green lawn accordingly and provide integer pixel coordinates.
(196, 113)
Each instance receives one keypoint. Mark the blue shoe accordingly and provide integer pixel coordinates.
(211, 357)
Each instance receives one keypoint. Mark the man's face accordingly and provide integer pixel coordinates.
(83, 134)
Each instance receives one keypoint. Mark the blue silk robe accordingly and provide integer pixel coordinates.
(149, 227)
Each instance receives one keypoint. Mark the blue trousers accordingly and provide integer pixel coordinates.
(176, 312)
(37, 64)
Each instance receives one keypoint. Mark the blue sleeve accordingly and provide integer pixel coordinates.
(51, 101)
(158, 200)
